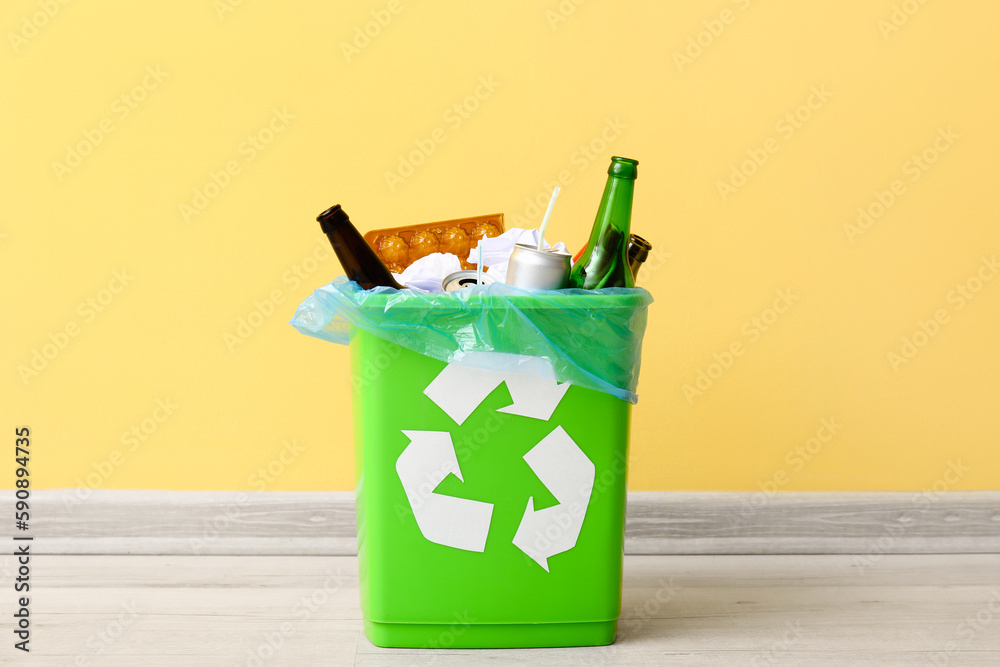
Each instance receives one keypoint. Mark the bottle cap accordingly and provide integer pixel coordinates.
(332, 218)
(623, 167)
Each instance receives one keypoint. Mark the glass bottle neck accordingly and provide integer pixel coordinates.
(615, 209)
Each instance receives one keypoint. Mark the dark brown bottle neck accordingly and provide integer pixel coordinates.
(359, 260)
(332, 219)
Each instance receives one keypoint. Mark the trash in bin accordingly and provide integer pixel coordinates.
(358, 259)
(533, 266)
(604, 262)
(401, 246)
(491, 448)
(491, 430)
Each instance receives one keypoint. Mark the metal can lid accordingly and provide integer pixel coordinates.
(460, 279)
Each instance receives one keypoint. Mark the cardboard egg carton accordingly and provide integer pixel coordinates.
(399, 247)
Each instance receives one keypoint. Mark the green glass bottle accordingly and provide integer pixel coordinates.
(604, 262)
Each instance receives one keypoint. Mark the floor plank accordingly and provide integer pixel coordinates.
(323, 523)
(676, 610)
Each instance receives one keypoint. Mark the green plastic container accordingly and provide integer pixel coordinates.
(417, 592)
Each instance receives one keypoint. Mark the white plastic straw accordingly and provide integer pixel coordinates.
(545, 220)
(479, 265)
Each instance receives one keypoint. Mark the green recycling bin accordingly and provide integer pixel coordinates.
(490, 489)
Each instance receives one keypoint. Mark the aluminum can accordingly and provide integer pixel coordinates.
(530, 268)
(460, 279)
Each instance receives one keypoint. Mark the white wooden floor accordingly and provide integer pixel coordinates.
(142, 611)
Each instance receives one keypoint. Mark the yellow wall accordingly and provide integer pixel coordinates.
(168, 94)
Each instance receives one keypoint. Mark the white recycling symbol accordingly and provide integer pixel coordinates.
(557, 461)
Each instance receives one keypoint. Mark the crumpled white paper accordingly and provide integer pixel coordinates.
(427, 273)
(497, 250)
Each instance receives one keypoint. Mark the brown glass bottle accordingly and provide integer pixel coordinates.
(638, 251)
(360, 262)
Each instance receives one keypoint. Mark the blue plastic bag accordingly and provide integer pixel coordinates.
(591, 338)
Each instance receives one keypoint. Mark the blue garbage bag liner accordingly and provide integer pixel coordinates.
(591, 338)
